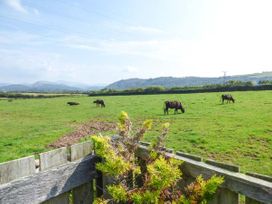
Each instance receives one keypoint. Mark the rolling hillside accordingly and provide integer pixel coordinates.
(185, 81)
(45, 86)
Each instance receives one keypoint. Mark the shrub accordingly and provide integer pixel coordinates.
(158, 177)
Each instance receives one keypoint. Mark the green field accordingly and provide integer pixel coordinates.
(239, 133)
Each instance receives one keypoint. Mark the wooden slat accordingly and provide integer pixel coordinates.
(240, 183)
(107, 180)
(47, 184)
(229, 167)
(84, 193)
(61, 199)
(99, 184)
(52, 159)
(260, 176)
(80, 150)
(251, 201)
(145, 143)
(16, 169)
(223, 195)
(191, 156)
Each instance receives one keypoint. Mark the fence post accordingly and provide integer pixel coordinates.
(84, 193)
(51, 159)
(223, 195)
(260, 176)
(187, 178)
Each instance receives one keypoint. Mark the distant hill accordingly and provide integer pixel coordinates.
(45, 86)
(185, 81)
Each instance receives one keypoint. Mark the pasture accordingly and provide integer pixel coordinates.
(239, 133)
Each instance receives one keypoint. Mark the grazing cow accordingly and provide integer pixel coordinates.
(228, 98)
(100, 103)
(173, 105)
(73, 103)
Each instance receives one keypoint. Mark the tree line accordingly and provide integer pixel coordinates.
(232, 85)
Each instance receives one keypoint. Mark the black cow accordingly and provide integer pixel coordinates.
(173, 105)
(100, 103)
(228, 98)
(73, 103)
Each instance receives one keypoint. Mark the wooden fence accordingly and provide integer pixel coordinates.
(68, 175)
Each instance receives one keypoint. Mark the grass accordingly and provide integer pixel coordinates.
(239, 133)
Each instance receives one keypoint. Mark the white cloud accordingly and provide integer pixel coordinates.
(42, 65)
(206, 57)
(18, 6)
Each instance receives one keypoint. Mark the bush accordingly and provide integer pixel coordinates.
(159, 176)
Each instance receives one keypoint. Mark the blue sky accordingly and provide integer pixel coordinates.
(99, 41)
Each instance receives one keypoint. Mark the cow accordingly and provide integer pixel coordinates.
(173, 105)
(100, 103)
(73, 103)
(227, 97)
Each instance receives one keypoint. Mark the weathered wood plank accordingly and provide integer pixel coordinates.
(240, 183)
(168, 150)
(99, 184)
(16, 169)
(236, 182)
(223, 195)
(229, 167)
(80, 150)
(47, 184)
(53, 158)
(260, 176)
(61, 199)
(145, 143)
(190, 156)
(251, 201)
(82, 194)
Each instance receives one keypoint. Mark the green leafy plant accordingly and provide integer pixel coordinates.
(152, 180)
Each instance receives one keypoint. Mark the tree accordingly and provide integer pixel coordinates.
(265, 82)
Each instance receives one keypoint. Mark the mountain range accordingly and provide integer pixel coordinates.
(45, 86)
(65, 86)
(185, 81)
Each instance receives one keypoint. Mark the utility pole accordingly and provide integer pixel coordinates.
(224, 77)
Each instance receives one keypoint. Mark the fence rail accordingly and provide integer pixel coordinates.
(68, 175)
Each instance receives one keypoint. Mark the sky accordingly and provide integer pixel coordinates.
(102, 41)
